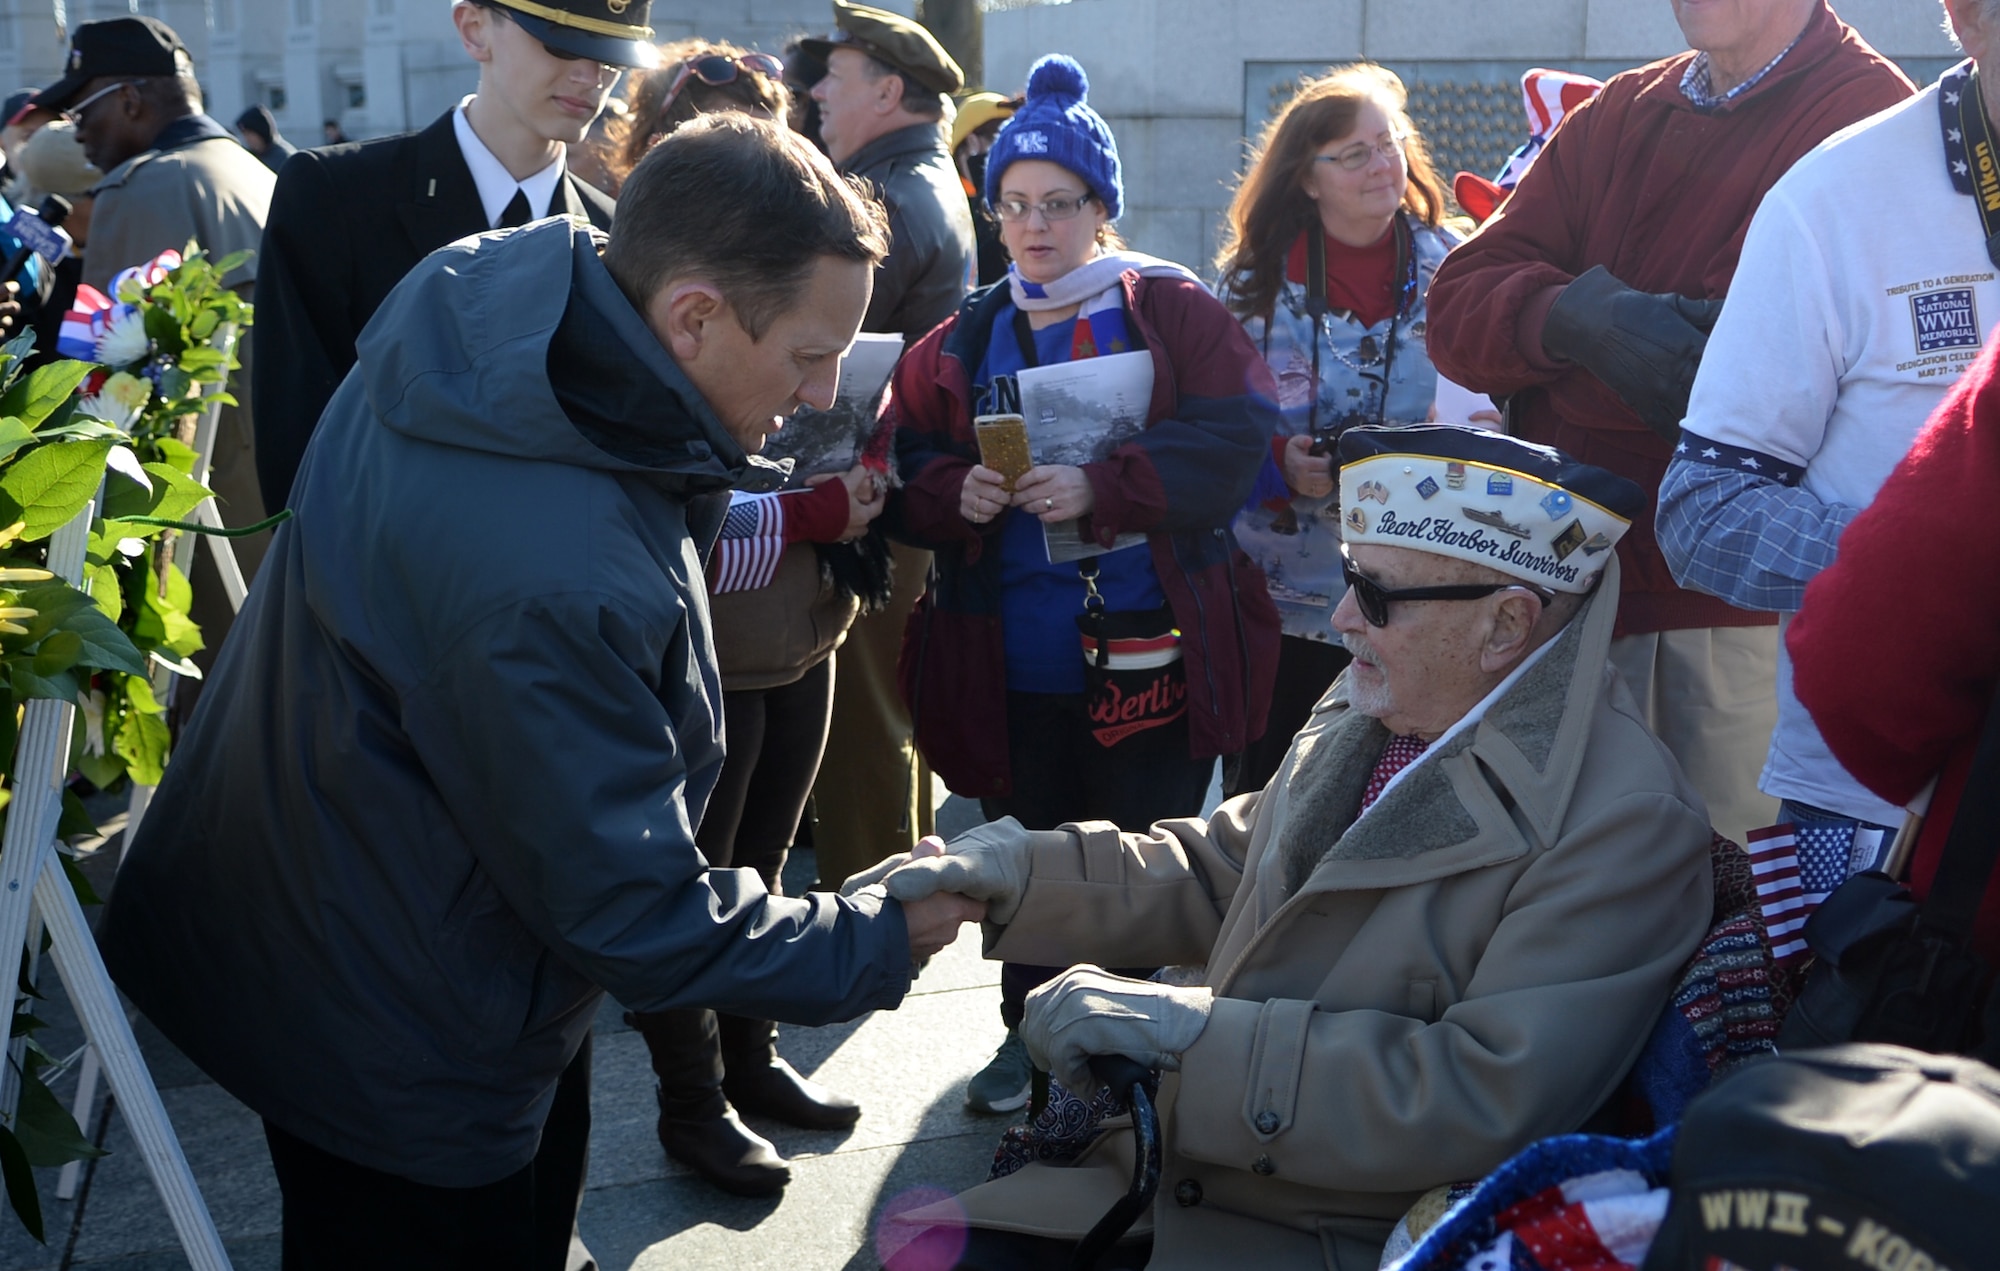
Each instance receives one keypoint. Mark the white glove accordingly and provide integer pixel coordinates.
(874, 874)
(989, 864)
(1088, 1011)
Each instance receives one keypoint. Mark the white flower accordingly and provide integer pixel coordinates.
(124, 340)
(103, 407)
(120, 399)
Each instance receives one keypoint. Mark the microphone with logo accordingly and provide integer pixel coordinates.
(41, 235)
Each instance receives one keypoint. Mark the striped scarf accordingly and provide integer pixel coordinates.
(1093, 286)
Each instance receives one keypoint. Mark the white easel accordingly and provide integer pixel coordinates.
(34, 891)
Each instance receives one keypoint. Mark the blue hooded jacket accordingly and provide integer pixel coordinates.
(441, 792)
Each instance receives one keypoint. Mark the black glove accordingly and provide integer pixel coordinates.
(1645, 347)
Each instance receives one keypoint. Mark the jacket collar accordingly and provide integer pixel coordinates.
(917, 139)
(1456, 808)
(186, 131)
(1821, 36)
(441, 201)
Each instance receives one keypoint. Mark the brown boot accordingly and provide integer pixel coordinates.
(697, 1127)
(759, 1082)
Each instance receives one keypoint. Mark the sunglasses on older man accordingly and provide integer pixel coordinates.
(718, 69)
(1373, 599)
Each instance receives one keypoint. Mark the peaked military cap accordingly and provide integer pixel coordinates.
(615, 32)
(893, 39)
(1526, 510)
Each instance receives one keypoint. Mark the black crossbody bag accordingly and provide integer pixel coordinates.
(1890, 968)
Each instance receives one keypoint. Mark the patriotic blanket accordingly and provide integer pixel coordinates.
(1577, 1202)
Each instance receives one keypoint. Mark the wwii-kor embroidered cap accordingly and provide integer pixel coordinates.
(1526, 510)
(1859, 1157)
(115, 46)
(614, 32)
(893, 39)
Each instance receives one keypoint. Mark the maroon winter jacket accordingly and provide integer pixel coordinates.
(1660, 194)
(1896, 649)
(1181, 482)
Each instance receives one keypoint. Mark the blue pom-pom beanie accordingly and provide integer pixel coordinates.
(1057, 124)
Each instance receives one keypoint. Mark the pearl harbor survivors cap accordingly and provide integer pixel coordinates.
(1526, 510)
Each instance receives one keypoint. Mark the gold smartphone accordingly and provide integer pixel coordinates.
(1003, 446)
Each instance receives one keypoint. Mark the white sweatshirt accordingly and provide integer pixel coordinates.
(1864, 290)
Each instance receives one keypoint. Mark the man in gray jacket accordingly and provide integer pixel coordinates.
(172, 176)
(442, 794)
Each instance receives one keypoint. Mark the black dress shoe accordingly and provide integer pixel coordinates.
(727, 1153)
(776, 1090)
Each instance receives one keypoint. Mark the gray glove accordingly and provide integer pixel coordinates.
(1088, 1011)
(1645, 347)
(989, 864)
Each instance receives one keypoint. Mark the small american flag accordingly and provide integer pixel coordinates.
(1781, 893)
(753, 538)
(1825, 850)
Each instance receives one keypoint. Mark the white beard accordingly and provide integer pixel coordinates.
(1372, 696)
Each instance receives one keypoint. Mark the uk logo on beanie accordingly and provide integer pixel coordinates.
(1056, 123)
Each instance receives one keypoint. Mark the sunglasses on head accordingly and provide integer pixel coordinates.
(718, 69)
(1373, 599)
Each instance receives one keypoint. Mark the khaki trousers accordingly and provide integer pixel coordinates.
(873, 795)
(1711, 694)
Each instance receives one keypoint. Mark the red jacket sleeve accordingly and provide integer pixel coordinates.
(1896, 648)
(1482, 292)
(932, 455)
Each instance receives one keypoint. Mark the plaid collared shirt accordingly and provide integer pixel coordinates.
(1696, 85)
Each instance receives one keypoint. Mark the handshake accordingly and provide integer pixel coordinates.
(1085, 1011)
(979, 877)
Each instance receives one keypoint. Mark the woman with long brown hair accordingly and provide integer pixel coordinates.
(1332, 239)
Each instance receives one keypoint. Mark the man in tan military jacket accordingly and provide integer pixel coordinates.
(1444, 930)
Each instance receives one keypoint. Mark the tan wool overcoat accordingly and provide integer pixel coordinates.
(1473, 965)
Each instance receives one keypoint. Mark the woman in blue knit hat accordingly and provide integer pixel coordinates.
(1181, 633)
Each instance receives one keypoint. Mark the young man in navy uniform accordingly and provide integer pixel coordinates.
(348, 221)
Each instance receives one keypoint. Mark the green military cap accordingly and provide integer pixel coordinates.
(894, 39)
(614, 32)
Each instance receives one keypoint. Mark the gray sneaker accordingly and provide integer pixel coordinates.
(1003, 1084)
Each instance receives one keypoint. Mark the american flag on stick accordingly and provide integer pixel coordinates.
(1781, 893)
(753, 537)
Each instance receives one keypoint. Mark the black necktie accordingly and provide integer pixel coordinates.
(516, 212)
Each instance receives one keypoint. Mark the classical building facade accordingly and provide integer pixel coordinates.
(1183, 82)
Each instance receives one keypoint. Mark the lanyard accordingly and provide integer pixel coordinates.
(1969, 151)
(1317, 310)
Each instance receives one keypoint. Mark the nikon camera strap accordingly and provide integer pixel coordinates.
(1969, 152)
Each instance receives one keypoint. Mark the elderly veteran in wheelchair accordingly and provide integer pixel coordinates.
(1443, 931)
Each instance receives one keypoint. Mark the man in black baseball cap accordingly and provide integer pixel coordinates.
(118, 47)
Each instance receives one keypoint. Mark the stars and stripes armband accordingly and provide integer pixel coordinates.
(1751, 463)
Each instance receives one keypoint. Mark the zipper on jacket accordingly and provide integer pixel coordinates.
(1201, 616)
(1242, 640)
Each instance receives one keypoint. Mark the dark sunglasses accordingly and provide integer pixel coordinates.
(1372, 598)
(716, 69)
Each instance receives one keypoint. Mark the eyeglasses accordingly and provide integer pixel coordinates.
(74, 115)
(1012, 210)
(718, 69)
(1361, 154)
(1372, 598)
